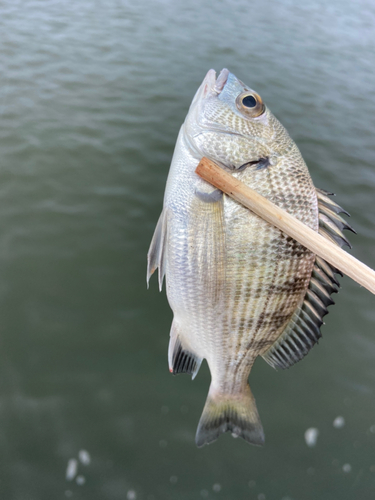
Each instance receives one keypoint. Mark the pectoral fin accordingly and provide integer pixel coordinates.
(156, 257)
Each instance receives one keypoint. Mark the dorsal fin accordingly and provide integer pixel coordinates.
(303, 330)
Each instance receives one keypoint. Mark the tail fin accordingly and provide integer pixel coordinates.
(228, 413)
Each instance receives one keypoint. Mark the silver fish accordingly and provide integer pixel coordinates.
(238, 287)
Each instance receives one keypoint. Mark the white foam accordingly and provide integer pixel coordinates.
(71, 469)
(339, 422)
(80, 480)
(311, 436)
(84, 457)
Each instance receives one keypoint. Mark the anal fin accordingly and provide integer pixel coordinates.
(181, 359)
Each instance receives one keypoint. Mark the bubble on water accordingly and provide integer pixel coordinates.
(163, 443)
(71, 469)
(216, 487)
(84, 457)
(164, 410)
(347, 468)
(173, 479)
(372, 429)
(339, 422)
(235, 435)
(251, 483)
(261, 496)
(204, 493)
(80, 480)
(68, 493)
(131, 495)
(311, 436)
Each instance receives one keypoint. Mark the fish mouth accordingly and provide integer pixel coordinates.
(196, 122)
(213, 85)
(221, 80)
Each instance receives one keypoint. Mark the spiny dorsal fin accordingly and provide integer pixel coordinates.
(303, 330)
(180, 358)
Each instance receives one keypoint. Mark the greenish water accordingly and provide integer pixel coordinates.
(92, 94)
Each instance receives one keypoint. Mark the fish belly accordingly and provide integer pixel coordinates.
(195, 266)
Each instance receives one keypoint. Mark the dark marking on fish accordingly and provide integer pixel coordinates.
(294, 285)
(212, 197)
(260, 164)
(183, 361)
(259, 344)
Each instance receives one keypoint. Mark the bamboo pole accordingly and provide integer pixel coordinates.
(278, 217)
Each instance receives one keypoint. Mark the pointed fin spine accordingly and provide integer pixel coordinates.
(327, 282)
(317, 303)
(339, 221)
(333, 229)
(328, 269)
(323, 198)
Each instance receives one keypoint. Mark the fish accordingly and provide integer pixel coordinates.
(238, 287)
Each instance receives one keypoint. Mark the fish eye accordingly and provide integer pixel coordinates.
(249, 101)
(250, 104)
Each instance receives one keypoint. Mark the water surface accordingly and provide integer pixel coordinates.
(92, 95)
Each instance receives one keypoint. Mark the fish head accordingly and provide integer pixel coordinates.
(229, 123)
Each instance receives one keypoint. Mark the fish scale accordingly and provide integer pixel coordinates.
(239, 288)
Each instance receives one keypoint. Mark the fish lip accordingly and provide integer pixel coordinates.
(221, 81)
(209, 81)
(212, 85)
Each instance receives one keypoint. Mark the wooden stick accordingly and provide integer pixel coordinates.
(278, 217)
